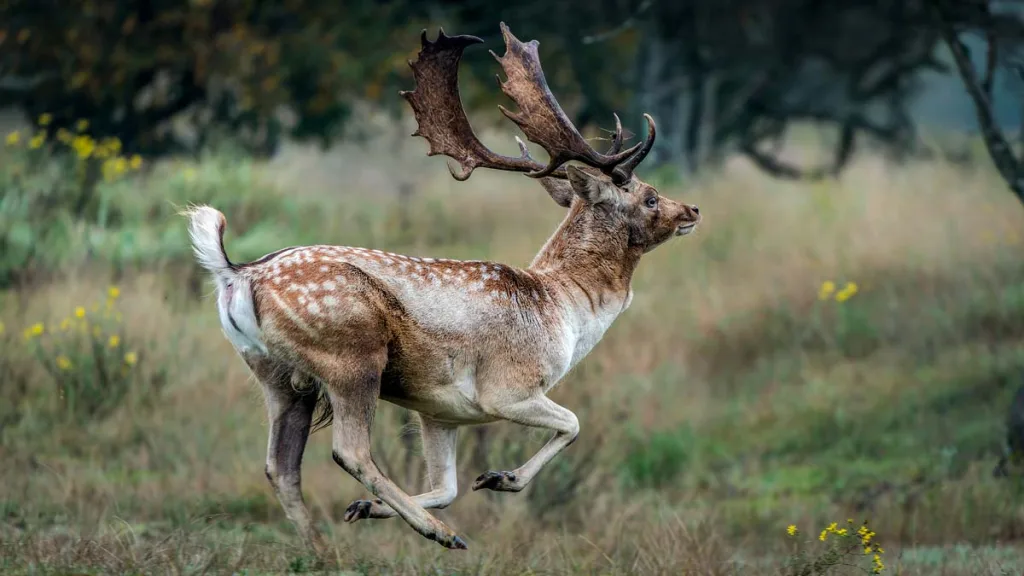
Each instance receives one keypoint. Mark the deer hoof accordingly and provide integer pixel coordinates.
(498, 481)
(358, 510)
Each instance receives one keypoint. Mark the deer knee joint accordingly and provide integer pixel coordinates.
(572, 429)
(352, 462)
(448, 494)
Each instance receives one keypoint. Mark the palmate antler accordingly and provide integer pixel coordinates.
(442, 121)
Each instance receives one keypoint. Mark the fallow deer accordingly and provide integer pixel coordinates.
(329, 330)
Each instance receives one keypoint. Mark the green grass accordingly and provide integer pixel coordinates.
(727, 403)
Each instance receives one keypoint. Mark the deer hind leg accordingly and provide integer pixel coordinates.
(354, 386)
(439, 451)
(290, 414)
(537, 411)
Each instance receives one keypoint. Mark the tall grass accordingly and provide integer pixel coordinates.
(737, 396)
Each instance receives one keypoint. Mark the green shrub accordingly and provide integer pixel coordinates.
(658, 459)
(50, 188)
(93, 363)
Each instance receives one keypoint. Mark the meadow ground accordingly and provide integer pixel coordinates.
(735, 398)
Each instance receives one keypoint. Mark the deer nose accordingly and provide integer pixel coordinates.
(694, 208)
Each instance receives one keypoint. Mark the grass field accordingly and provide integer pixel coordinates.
(737, 396)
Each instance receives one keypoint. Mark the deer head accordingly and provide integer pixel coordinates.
(606, 190)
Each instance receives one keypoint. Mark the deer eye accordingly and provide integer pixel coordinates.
(651, 202)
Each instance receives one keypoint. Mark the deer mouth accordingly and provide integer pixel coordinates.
(684, 229)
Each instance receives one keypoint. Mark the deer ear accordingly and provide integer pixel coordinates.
(559, 190)
(587, 186)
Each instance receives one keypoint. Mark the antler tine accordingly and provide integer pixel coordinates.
(540, 117)
(617, 137)
(440, 117)
(624, 171)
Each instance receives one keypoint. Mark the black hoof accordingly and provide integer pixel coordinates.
(358, 510)
(493, 480)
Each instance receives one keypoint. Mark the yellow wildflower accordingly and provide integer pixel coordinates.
(113, 292)
(114, 341)
(63, 362)
(867, 550)
(826, 290)
(135, 162)
(37, 141)
(82, 125)
(64, 136)
(823, 536)
(84, 146)
(13, 138)
(45, 119)
(878, 565)
(108, 147)
(847, 292)
(131, 358)
(2, 328)
(38, 328)
(841, 532)
(791, 530)
(79, 312)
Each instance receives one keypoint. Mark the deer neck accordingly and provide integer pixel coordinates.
(590, 261)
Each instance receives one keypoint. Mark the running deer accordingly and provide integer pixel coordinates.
(327, 330)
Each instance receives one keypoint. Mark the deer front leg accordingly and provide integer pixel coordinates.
(439, 451)
(354, 385)
(538, 411)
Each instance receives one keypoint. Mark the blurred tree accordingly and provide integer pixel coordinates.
(129, 68)
(735, 75)
(728, 76)
(1001, 27)
(1003, 35)
(720, 76)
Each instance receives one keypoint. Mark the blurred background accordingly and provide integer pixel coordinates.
(840, 342)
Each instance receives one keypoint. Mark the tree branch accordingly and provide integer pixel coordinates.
(998, 147)
(779, 168)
